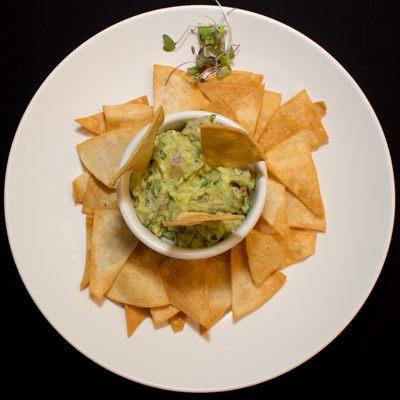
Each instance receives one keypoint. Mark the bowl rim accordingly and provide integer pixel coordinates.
(173, 121)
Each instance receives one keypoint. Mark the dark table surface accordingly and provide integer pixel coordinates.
(361, 35)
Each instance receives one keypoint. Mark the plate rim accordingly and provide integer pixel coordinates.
(346, 75)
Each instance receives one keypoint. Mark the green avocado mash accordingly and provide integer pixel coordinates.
(178, 179)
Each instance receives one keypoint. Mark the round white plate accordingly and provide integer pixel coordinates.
(322, 295)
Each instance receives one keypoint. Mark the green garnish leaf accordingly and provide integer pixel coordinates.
(222, 72)
(214, 57)
(224, 60)
(194, 71)
(169, 44)
(209, 35)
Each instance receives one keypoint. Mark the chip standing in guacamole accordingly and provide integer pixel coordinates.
(178, 179)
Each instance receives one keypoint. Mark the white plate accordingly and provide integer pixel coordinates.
(322, 295)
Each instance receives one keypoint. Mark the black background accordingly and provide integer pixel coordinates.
(361, 35)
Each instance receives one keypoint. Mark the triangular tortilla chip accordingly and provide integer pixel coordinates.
(219, 288)
(215, 104)
(291, 162)
(239, 78)
(320, 107)
(243, 101)
(263, 226)
(224, 256)
(112, 244)
(98, 196)
(189, 218)
(187, 289)
(224, 146)
(270, 103)
(274, 211)
(246, 296)
(162, 314)
(79, 186)
(141, 156)
(134, 317)
(299, 245)
(295, 115)
(139, 100)
(139, 282)
(178, 322)
(86, 273)
(219, 108)
(135, 116)
(102, 154)
(266, 253)
(97, 123)
(176, 91)
(299, 216)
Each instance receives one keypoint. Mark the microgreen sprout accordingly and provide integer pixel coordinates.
(214, 56)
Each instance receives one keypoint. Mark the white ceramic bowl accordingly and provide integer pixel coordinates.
(165, 246)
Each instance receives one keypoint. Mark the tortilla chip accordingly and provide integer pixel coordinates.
(162, 314)
(102, 154)
(266, 253)
(219, 288)
(291, 162)
(112, 244)
(274, 211)
(134, 317)
(189, 218)
(219, 108)
(224, 256)
(186, 285)
(224, 146)
(270, 103)
(243, 101)
(215, 104)
(86, 273)
(203, 331)
(299, 216)
(263, 226)
(99, 196)
(176, 91)
(246, 297)
(300, 245)
(178, 322)
(239, 78)
(141, 156)
(139, 282)
(321, 108)
(97, 123)
(135, 116)
(295, 115)
(79, 186)
(139, 100)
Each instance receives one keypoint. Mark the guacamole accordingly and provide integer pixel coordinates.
(178, 179)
